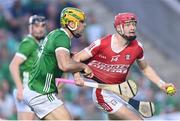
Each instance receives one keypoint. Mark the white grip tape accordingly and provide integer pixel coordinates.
(91, 84)
(160, 83)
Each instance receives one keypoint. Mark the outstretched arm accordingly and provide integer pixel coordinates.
(150, 73)
(67, 64)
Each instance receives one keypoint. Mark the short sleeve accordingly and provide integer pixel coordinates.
(25, 48)
(93, 48)
(141, 52)
(62, 42)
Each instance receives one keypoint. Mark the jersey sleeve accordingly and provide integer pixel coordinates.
(93, 48)
(141, 52)
(25, 48)
(62, 42)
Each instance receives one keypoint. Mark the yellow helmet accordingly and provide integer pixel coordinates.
(70, 14)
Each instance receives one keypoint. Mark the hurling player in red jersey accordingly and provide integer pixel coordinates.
(110, 58)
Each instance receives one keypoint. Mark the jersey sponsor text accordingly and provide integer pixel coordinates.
(118, 68)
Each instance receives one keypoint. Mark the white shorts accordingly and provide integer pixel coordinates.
(41, 104)
(107, 101)
(21, 106)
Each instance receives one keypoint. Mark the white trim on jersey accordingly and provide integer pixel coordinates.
(48, 82)
(140, 44)
(92, 46)
(89, 52)
(65, 31)
(30, 35)
(62, 48)
(141, 58)
(21, 55)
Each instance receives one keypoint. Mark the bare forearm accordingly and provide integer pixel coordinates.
(75, 58)
(73, 66)
(81, 56)
(67, 64)
(14, 69)
(151, 75)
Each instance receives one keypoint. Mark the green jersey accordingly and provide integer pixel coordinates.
(28, 50)
(46, 68)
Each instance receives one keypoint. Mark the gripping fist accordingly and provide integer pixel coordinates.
(169, 88)
(79, 81)
(88, 72)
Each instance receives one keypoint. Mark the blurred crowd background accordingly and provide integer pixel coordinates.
(158, 30)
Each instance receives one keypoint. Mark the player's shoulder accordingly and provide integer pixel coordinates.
(29, 39)
(137, 43)
(106, 37)
(57, 33)
(102, 42)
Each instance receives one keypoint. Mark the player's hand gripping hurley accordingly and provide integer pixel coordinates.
(126, 90)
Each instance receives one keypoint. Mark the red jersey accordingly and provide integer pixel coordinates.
(111, 66)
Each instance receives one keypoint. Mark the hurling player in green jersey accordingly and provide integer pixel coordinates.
(22, 62)
(54, 59)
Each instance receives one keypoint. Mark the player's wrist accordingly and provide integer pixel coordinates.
(84, 66)
(161, 83)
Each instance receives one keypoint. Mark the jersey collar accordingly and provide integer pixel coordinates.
(29, 35)
(65, 32)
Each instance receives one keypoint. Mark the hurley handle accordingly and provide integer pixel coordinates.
(89, 84)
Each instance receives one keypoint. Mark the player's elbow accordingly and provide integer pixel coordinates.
(76, 58)
(11, 66)
(63, 67)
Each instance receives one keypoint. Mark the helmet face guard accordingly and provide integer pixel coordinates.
(34, 20)
(37, 19)
(74, 15)
(121, 19)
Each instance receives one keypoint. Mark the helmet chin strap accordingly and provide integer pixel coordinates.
(74, 27)
(128, 38)
(72, 32)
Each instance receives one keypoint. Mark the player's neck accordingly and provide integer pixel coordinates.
(35, 39)
(120, 41)
(68, 32)
(117, 43)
